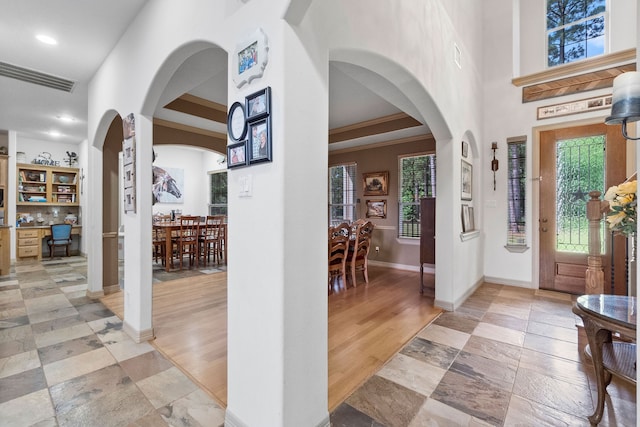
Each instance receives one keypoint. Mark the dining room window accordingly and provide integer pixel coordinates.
(342, 193)
(417, 178)
(218, 193)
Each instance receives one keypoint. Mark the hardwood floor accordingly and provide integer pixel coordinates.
(367, 326)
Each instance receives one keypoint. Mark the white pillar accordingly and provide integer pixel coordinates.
(92, 222)
(138, 291)
(277, 268)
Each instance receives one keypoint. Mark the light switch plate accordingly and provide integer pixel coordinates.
(246, 185)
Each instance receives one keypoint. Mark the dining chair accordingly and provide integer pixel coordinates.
(159, 244)
(210, 238)
(338, 251)
(60, 236)
(359, 252)
(188, 243)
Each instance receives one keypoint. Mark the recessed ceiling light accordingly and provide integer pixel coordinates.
(54, 133)
(46, 39)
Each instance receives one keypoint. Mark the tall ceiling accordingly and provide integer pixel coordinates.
(87, 31)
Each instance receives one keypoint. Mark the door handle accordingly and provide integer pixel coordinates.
(544, 220)
(544, 229)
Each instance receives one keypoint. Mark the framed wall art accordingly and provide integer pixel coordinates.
(237, 155)
(376, 208)
(467, 218)
(260, 141)
(375, 183)
(465, 149)
(258, 104)
(466, 181)
(250, 58)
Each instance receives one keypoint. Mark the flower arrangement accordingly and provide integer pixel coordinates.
(622, 205)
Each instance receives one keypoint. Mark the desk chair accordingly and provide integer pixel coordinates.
(60, 236)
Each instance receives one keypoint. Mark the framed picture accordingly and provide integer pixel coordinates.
(250, 58)
(258, 104)
(260, 141)
(465, 149)
(237, 155)
(376, 183)
(129, 175)
(128, 151)
(129, 126)
(130, 200)
(466, 181)
(376, 208)
(168, 184)
(466, 219)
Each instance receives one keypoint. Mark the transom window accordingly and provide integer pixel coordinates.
(575, 30)
(417, 179)
(342, 193)
(218, 193)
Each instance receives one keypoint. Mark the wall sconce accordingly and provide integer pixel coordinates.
(625, 101)
(494, 163)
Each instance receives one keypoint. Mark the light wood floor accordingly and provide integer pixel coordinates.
(367, 326)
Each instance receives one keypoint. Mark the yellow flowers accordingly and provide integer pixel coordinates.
(622, 205)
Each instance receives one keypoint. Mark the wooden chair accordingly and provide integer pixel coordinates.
(159, 238)
(338, 251)
(359, 252)
(188, 243)
(210, 238)
(60, 236)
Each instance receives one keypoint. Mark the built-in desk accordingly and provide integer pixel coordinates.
(602, 315)
(29, 241)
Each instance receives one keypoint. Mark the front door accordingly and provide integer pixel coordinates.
(573, 162)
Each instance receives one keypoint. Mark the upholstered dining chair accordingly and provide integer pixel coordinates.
(60, 236)
(359, 251)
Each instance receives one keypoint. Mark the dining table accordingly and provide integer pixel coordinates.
(603, 316)
(169, 227)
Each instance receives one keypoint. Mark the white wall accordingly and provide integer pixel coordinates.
(58, 150)
(507, 116)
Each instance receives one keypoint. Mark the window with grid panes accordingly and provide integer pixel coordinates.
(342, 193)
(218, 193)
(417, 179)
(576, 30)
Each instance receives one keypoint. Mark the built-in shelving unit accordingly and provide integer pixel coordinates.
(47, 185)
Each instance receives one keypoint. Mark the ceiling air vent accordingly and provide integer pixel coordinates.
(36, 77)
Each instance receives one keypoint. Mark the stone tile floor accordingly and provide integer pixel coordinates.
(507, 357)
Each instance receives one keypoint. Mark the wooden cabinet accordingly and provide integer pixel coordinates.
(47, 185)
(29, 241)
(427, 237)
(5, 251)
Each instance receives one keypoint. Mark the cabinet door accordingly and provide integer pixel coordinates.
(4, 171)
(428, 230)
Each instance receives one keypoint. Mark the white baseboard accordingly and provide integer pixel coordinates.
(509, 282)
(231, 420)
(427, 269)
(138, 336)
